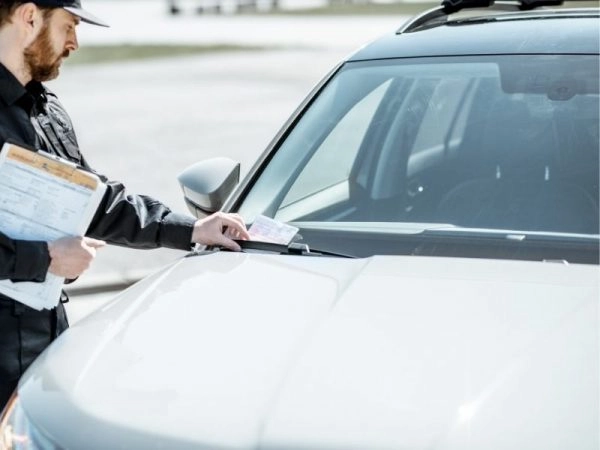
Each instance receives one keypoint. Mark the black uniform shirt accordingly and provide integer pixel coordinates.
(19, 260)
(33, 116)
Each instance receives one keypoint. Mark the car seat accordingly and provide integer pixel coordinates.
(516, 188)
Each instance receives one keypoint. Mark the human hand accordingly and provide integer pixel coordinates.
(220, 229)
(71, 256)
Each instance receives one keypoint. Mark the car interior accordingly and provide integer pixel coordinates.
(497, 160)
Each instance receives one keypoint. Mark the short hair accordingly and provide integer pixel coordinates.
(8, 7)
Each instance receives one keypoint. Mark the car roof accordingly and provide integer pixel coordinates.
(489, 32)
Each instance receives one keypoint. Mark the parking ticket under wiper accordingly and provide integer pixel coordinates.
(265, 229)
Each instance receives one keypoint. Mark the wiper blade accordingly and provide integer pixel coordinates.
(295, 248)
(513, 235)
(508, 244)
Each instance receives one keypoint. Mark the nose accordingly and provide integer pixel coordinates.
(72, 43)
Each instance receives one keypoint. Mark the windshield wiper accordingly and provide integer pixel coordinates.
(294, 248)
(505, 244)
(570, 239)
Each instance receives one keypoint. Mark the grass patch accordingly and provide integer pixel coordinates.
(93, 54)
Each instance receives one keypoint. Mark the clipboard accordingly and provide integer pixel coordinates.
(43, 198)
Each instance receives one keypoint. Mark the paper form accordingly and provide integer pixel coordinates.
(43, 198)
(266, 229)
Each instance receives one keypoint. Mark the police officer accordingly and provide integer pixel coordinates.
(35, 37)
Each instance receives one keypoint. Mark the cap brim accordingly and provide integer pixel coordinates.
(86, 16)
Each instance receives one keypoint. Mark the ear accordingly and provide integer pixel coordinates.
(29, 18)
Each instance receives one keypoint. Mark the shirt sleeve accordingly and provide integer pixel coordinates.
(23, 260)
(139, 221)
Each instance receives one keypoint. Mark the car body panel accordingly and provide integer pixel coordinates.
(479, 355)
(308, 351)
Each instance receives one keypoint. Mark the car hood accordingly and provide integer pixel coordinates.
(252, 351)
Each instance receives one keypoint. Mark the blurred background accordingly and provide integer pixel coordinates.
(173, 82)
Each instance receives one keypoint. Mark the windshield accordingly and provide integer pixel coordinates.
(487, 147)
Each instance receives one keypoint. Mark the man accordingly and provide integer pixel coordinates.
(35, 37)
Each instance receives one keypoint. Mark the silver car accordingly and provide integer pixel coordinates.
(441, 290)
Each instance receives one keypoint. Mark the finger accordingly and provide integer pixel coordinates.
(230, 244)
(233, 219)
(232, 233)
(238, 225)
(94, 243)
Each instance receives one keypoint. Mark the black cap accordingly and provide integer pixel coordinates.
(74, 7)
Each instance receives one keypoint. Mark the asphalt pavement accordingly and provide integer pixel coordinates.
(143, 122)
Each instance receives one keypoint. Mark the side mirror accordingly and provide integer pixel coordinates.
(207, 184)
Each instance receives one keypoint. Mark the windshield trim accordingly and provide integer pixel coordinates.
(407, 228)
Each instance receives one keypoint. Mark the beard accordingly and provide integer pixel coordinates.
(42, 61)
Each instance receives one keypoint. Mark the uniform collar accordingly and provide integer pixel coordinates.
(10, 88)
(13, 92)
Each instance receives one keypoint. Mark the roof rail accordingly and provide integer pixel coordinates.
(448, 7)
